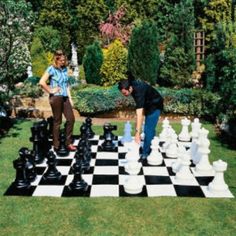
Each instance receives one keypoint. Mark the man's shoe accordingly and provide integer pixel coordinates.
(71, 148)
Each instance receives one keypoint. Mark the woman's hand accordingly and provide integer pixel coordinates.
(55, 90)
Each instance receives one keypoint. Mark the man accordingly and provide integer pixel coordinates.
(149, 104)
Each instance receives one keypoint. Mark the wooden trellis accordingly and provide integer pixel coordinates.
(199, 44)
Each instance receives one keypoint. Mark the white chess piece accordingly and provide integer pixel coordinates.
(204, 166)
(218, 183)
(184, 172)
(133, 152)
(127, 133)
(133, 185)
(181, 152)
(195, 155)
(184, 134)
(155, 157)
(172, 148)
(133, 167)
(164, 133)
(196, 126)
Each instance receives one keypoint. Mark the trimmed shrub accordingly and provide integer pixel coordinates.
(91, 100)
(143, 55)
(114, 66)
(92, 63)
(94, 99)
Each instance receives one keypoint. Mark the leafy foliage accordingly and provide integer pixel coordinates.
(113, 28)
(90, 13)
(16, 20)
(39, 58)
(143, 54)
(55, 13)
(92, 63)
(179, 61)
(49, 37)
(114, 67)
(214, 12)
(93, 100)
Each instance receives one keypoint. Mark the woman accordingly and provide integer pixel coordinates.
(59, 98)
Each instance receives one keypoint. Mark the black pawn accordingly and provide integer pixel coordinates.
(27, 156)
(50, 126)
(62, 150)
(21, 182)
(83, 131)
(52, 173)
(37, 147)
(78, 184)
(89, 131)
(81, 154)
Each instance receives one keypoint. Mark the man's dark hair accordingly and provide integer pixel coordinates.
(124, 84)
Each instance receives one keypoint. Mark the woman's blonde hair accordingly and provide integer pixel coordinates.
(58, 55)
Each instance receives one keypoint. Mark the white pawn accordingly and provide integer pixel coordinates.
(164, 133)
(172, 148)
(127, 133)
(204, 166)
(133, 185)
(181, 152)
(196, 126)
(168, 138)
(133, 152)
(184, 172)
(218, 183)
(155, 157)
(184, 134)
(133, 167)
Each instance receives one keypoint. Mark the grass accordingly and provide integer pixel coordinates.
(113, 216)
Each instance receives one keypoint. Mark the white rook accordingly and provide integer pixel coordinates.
(218, 183)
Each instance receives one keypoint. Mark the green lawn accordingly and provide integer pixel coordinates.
(113, 216)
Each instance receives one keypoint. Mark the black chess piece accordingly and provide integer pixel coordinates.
(78, 183)
(108, 144)
(45, 144)
(50, 126)
(89, 131)
(108, 128)
(52, 173)
(37, 144)
(26, 155)
(21, 182)
(83, 131)
(81, 154)
(62, 150)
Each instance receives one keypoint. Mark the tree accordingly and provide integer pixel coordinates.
(92, 63)
(39, 58)
(113, 29)
(55, 13)
(49, 37)
(143, 54)
(179, 58)
(114, 67)
(90, 13)
(16, 21)
(215, 12)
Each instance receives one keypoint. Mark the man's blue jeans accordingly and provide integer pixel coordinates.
(150, 131)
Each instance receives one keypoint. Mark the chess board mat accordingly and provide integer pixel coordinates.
(106, 177)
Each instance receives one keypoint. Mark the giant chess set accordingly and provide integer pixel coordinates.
(109, 165)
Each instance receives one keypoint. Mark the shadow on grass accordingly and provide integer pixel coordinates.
(11, 128)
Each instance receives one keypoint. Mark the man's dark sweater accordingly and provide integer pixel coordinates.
(145, 96)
